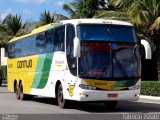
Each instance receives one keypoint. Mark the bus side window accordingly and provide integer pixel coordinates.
(18, 49)
(70, 35)
(40, 43)
(59, 39)
(11, 50)
(49, 41)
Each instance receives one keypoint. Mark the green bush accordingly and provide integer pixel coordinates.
(151, 88)
(3, 71)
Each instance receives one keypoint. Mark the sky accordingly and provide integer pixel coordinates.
(31, 9)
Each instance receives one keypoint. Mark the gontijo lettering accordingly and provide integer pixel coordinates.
(24, 64)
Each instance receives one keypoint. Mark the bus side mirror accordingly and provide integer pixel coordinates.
(76, 45)
(147, 47)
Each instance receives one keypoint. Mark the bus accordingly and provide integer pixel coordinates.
(84, 60)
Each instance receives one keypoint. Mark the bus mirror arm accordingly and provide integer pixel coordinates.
(76, 47)
(147, 47)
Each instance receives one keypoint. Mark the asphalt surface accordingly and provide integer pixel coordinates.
(45, 108)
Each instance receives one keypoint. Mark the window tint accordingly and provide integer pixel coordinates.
(106, 33)
(70, 36)
(69, 49)
(32, 45)
(59, 34)
(44, 42)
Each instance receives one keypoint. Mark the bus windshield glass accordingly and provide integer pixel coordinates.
(118, 33)
(101, 60)
(108, 51)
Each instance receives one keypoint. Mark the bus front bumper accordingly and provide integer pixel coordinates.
(97, 95)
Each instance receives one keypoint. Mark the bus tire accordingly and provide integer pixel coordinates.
(17, 91)
(62, 103)
(110, 105)
(22, 95)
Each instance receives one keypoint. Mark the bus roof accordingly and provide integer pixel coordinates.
(96, 21)
(75, 22)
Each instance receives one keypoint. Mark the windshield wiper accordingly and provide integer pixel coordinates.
(121, 68)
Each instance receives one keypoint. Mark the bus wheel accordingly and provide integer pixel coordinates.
(62, 103)
(110, 105)
(17, 91)
(22, 95)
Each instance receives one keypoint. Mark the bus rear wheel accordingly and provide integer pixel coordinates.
(22, 95)
(17, 91)
(110, 105)
(62, 103)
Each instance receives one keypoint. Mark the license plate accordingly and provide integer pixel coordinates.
(112, 95)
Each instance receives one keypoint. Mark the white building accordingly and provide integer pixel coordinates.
(3, 56)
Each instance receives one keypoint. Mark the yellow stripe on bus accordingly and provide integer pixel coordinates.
(103, 84)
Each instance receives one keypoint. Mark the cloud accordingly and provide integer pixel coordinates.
(33, 1)
(60, 3)
(4, 13)
(28, 11)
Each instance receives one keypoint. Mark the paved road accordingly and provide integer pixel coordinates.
(44, 106)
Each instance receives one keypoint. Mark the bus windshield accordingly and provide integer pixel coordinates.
(94, 32)
(101, 60)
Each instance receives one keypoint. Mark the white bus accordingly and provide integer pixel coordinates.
(77, 60)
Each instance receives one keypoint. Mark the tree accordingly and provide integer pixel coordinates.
(82, 8)
(58, 17)
(47, 17)
(145, 14)
(10, 27)
(71, 9)
(87, 8)
(12, 24)
(110, 14)
(113, 9)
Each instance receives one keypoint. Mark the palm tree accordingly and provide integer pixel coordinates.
(47, 17)
(110, 14)
(82, 8)
(9, 28)
(120, 5)
(145, 14)
(58, 17)
(114, 10)
(71, 9)
(12, 24)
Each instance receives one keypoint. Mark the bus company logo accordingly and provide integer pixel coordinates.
(24, 64)
(113, 87)
(71, 88)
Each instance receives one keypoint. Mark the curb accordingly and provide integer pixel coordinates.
(149, 97)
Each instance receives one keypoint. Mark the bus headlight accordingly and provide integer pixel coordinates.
(134, 87)
(88, 87)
